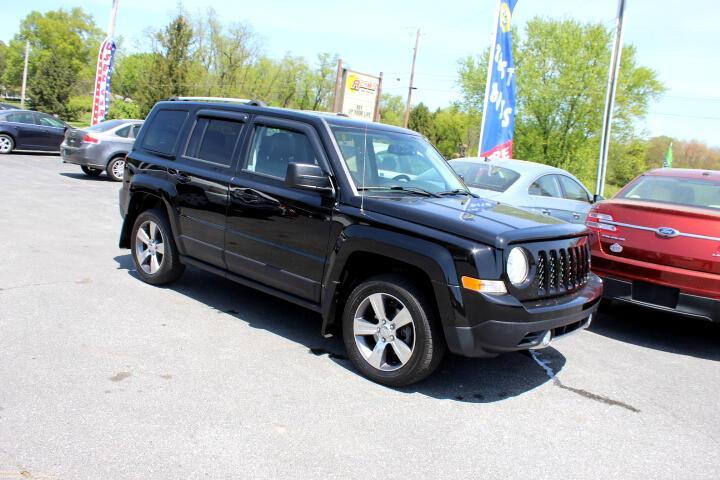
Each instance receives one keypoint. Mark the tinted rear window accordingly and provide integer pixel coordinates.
(482, 175)
(214, 140)
(692, 192)
(104, 126)
(162, 132)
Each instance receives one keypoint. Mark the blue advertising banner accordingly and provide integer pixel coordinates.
(499, 113)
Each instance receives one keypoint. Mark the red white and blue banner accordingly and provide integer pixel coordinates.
(499, 113)
(101, 98)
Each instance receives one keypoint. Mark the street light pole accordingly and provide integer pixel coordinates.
(24, 81)
(406, 117)
(610, 99)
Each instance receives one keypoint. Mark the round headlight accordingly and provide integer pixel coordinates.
(517, 266)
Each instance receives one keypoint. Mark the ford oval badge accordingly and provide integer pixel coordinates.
(667, 232)
(616, 248)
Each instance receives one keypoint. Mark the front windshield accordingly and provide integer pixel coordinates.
(380, 160)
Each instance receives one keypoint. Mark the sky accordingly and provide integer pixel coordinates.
(680, 40)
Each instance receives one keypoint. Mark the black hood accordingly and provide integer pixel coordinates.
(480, 219)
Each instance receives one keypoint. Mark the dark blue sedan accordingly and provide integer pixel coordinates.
(28, 130)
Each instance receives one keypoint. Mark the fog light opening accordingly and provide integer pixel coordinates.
(546, 339)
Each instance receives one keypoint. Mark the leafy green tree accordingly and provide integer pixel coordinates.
(3, 60)
(452, 131)
(561, 69)
(131, 73)
(70, 37)
(392, 109)
(421, 120)
(52, 85)
(171, 65)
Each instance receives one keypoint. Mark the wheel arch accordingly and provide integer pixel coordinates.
(140, 201)
(113, 156)
(363, 252)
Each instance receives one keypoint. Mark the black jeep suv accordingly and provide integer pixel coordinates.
(362, 222)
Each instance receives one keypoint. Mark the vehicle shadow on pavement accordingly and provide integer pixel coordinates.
(457, 378)
(36, 153)
(659, 331)
(81, 176)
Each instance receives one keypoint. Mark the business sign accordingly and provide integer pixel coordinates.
(101, 97)
(499, 112)
(359, 95)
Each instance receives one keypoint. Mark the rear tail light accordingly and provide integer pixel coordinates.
(596, 220)
(90, 139)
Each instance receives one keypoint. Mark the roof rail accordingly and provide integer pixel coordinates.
(246, 101)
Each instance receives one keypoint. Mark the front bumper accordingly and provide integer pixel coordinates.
(695, 306)
(80, 156)
(503, 324)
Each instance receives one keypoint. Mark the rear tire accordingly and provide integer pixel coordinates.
(116, 169)
(91, 172)
(153, 249)
(7, 144)
(403, 343)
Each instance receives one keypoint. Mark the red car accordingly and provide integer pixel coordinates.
(657, 242)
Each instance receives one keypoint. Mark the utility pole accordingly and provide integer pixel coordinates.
(24, 82)
(376, 115)
(406, 117)
(610, 99)
(338, 87)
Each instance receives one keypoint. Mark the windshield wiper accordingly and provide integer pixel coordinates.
(458, 191)
(398, 188)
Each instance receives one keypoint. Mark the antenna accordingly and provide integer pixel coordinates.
(362, 196)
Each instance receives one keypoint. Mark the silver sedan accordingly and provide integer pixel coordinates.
(533, 186)
(101, 147)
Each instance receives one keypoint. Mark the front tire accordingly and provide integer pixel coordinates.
(90, 172)
(391, 332)
(7, 144)
(153, 249)
(116, 169)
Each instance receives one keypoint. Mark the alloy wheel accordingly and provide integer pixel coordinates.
(149, 247)
(118, 169)
(5, 145)
(384, 332)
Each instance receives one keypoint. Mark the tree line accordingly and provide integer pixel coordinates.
(561, 70)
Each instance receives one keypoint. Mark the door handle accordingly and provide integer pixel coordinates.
(182, 178)
(545, 211)
(576, 216)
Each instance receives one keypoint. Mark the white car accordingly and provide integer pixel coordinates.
(533, 186)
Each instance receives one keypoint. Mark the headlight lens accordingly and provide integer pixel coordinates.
(518, 267)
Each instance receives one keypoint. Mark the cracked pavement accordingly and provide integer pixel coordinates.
(103, 376)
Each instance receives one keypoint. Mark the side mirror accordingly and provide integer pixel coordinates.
(598, 198)
(307, 177)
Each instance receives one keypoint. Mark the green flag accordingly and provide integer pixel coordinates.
(667, 163)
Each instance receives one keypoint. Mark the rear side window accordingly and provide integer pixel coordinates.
(123, 132)
(214, 140)
(546, 186)
(22, 117)
(163, 131)
(573, 190)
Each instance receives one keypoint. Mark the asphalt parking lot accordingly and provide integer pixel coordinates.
(103, 376)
